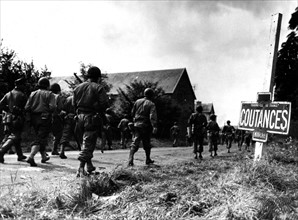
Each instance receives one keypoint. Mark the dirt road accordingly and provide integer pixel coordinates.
(13, 172)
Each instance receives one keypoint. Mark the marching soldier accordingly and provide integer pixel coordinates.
(175, 130)
(229, 131)
(57, 123)
(124, 131)
(69, 126)
(40, 107)
(90, 102)
(196, 130)
(13, 104)
(145, 124)
(213, 135)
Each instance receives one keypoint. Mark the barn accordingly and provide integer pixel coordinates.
(175, 83)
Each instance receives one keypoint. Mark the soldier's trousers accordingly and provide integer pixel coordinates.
(42, 127)
(68, 130)
(141, 134)
(198, 140)
(57, 129)
(90, 126)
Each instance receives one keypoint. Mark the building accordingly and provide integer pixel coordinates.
(175, 83)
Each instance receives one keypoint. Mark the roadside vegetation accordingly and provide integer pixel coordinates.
(232, 187)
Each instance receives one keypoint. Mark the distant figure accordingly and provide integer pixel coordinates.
(247, 140)
(239, 138)
(145, 124)
(107, 132)
(175, 131)
(229, 131)
(213, 135)
(196, 130)
(124, 131)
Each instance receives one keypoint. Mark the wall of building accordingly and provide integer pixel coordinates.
(184, 99)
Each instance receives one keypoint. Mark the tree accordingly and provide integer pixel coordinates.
(11, 69)
(79, 79)
(167, 113)
(286, 75)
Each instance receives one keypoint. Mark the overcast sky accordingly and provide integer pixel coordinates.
(222, 44)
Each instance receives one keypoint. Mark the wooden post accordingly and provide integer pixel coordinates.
(271, 66)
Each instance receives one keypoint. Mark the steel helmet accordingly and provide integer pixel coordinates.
(228, 122)
(43, 82)
(148, 92)
(55, 88)
(199, 108)
(93, 72)
(212, 117)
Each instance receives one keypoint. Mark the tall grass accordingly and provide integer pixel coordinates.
(222, 188)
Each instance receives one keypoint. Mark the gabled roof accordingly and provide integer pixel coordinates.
(208, 107)
(167, 79)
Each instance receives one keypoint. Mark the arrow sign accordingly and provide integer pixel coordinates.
(272, 117)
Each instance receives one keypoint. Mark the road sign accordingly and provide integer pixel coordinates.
(259, 135)
(272, 117)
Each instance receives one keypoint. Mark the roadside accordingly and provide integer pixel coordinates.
(13, 172)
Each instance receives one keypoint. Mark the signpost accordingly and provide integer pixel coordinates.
(267, 116)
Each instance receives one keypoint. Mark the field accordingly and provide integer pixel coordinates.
(226, 187)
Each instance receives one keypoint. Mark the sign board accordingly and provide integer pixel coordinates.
(273, 117)
(259, 135)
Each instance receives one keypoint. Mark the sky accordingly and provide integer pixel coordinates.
(222, 44)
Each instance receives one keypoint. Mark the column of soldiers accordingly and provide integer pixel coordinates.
(84, 116)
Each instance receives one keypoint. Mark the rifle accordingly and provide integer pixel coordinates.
(78, 78)
(126, 97)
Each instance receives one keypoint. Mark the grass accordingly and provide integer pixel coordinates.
(222, 188)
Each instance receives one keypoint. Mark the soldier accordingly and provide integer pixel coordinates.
(145, 124)
(57, 123)
(175, 130)
(107, 132)
(124, 131)
(90, 102)
(213, 135)
(247, 140)
(69, 126)
(196, 130)
(13, 104)
(40, 107)
(229, 131)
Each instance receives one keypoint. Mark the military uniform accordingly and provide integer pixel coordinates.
(13, 104)
(145, 120)
(107, 132)
(90, 101)
(124, 132)
(68, 127)
(57, 122)
(229, 131)
(40, 107)
(196, 129)
(213, 135)
(175, 130)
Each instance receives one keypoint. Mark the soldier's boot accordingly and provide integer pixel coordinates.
(148, 159)
(44, 156)
(5, 148)
(19, 151)
(81, 171)
(90, 167)
(130, 158)
(62, 152)
(215, 153)
(34, 151)
(200, 155)
(195, 155)
(55, 149)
